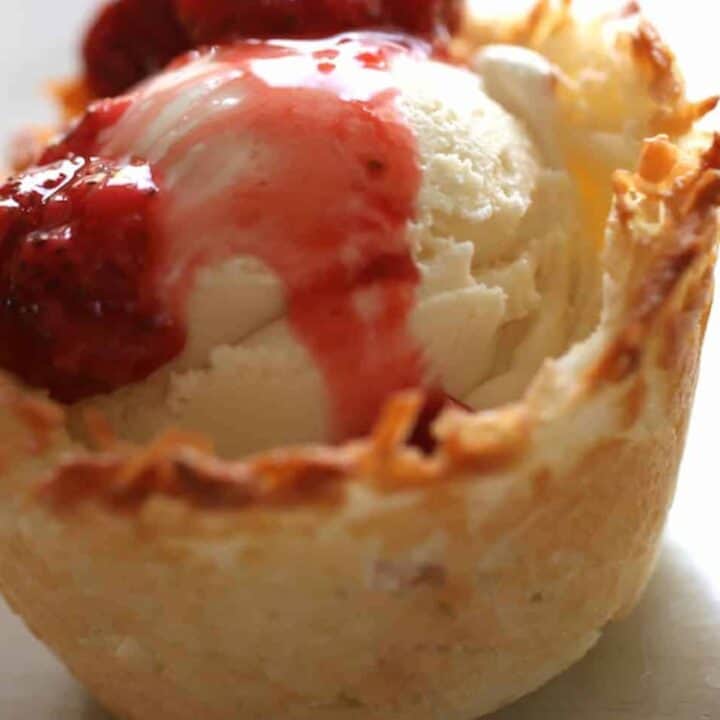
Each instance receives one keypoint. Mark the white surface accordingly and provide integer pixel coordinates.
(661, 664)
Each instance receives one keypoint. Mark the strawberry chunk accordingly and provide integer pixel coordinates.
(131, 39)
(208, 21)
(79, 309)
(436, 402)
(84, 137)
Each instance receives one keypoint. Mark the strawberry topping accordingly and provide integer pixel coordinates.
(209, 21)
(76, 258)
(129, 40)
(436, 403)
(132, 39)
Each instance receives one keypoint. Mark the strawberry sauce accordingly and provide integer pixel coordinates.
(293, 152)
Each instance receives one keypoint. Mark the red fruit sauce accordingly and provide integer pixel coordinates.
(132, 39)
(291, 152)
(79, 314)
(84, 137)
(436, 402)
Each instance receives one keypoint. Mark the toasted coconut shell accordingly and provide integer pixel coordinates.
(371, 581)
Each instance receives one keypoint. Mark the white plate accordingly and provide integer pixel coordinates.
(662, 663)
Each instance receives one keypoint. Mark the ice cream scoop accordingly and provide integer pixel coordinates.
(325, 223)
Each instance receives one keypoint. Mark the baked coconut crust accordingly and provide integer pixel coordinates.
(372, 581)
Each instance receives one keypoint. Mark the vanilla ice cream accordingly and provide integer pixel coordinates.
(311, 292)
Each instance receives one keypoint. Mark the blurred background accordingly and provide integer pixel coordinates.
(664, 661)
